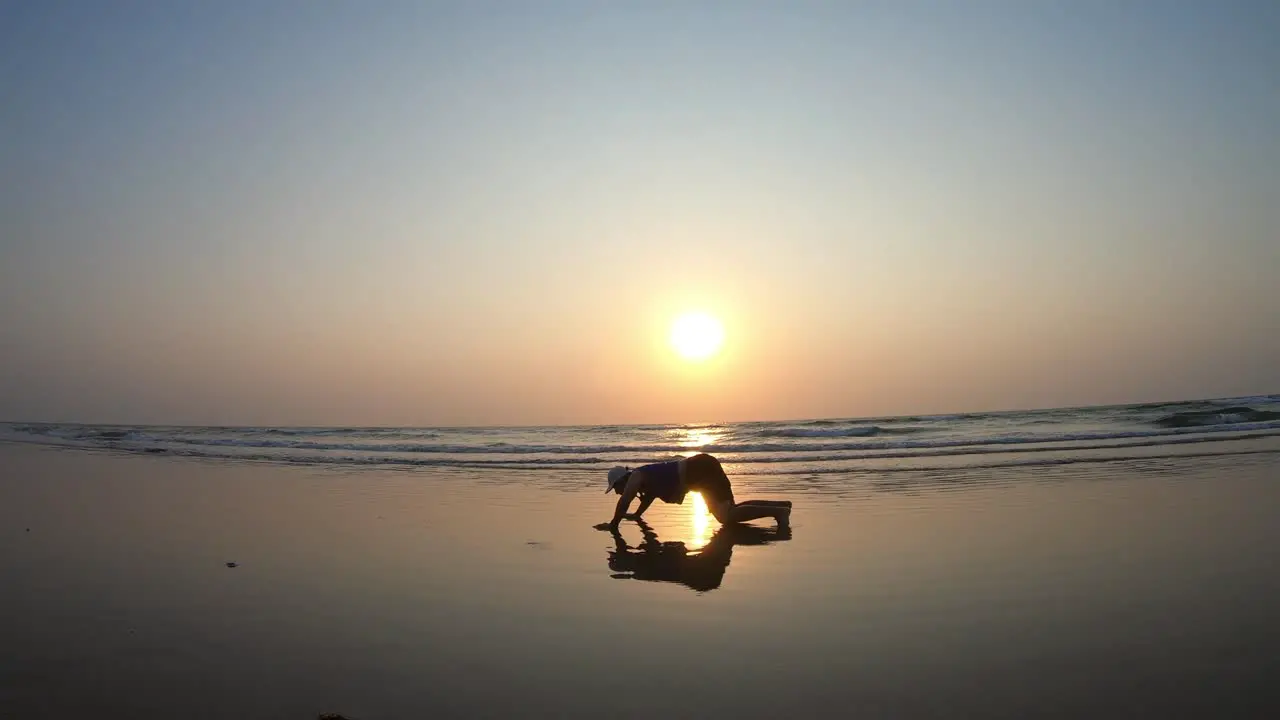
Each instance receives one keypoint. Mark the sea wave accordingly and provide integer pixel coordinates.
(373, 433)
(946, 417)
(799, 448)
(1234, 415)
(766, 466)
(1021, 463)
(1247, 400)
(858, 431)
(795, 432)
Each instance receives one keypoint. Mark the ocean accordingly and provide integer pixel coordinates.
(834, 451)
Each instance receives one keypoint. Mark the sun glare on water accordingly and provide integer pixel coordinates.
(696, 336)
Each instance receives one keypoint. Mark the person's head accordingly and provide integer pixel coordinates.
(617, 479)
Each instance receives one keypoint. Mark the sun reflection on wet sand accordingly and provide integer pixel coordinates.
(700, 520)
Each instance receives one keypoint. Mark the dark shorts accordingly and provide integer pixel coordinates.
(703, 473)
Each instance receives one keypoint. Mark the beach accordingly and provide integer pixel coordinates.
(1107, 589)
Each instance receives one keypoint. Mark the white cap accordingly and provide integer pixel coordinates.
(616, 475)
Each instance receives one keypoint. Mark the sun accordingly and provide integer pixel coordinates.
(696, 336)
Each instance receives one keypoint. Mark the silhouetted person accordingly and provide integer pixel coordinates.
(671, 481)
(671, 561)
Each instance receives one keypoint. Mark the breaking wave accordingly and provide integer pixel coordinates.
(1224, 416)
(787, 432)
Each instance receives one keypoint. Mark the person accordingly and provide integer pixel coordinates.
(671, 481)
(702, 570)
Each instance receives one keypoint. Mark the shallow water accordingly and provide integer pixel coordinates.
(1120, 589)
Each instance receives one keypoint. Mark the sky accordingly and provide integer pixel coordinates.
(428, 213)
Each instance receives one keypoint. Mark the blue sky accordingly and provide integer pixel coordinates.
(435, 213)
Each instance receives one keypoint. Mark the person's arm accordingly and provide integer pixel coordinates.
(628, 494)
(645, 502)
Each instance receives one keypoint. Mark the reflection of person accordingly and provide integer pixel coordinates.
(671, 561)
(671, 481)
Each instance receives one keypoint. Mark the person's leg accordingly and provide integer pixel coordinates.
(709, 478)
(766, 503)
(728, 514)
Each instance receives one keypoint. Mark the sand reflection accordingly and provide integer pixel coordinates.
(673, 561)
(700, 521)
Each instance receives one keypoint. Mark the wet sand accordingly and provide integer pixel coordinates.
(1109, 591)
